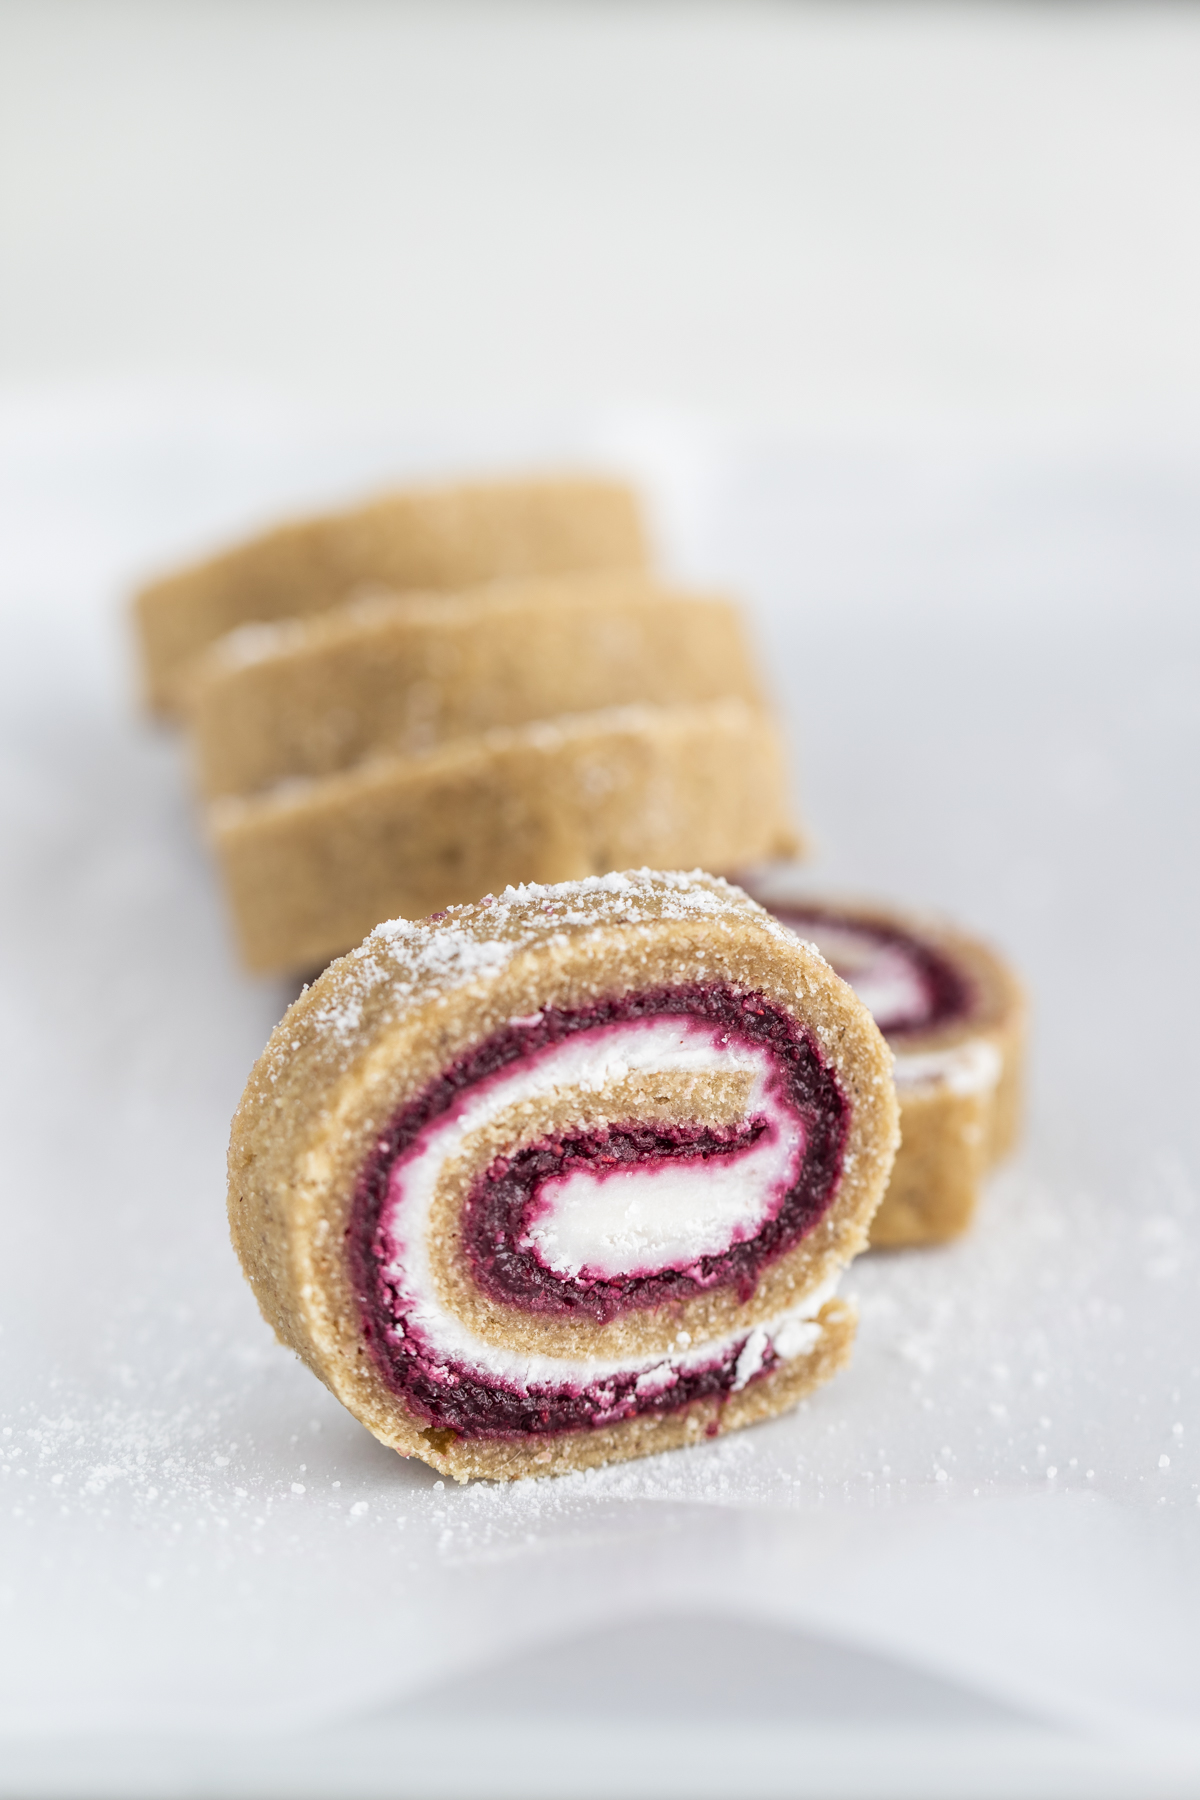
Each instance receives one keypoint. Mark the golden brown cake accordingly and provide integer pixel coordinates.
(426, 539)
(567, 1176)
(394, 675)
(954, 1014)
(310, 867)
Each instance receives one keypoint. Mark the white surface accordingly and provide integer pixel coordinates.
(770, 211)
(215, 1581)
(808, 215)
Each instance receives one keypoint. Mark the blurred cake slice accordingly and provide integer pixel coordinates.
(313, 865)
(954, 1014)
(423, 539)
(397, 675)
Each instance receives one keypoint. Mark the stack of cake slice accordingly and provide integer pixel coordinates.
(398, 709)
(436, 539)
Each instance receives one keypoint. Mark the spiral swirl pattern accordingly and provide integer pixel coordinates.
(567, 1175)
(546, 1182)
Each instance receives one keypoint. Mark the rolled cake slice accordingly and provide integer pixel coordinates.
(312, 866)
(954, 1014)
(391, 674)
(565, 1177)
(435, 538)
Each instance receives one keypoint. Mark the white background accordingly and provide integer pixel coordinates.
(775, 212)
(892, 312)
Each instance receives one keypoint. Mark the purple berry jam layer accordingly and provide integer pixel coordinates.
(502, 1216)
(595, 1224)
(907, 984)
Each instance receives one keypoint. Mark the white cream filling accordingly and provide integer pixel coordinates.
(973, 1067)
(890, 986)
(638, 1220)
(590, 1061)
(883, 975)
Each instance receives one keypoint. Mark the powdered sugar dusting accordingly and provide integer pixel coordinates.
(255, 643)
(474, 942)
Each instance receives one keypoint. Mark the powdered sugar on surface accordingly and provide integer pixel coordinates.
(181, 1473)
(1002, 1488)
